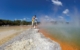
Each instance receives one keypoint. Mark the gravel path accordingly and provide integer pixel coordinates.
(31, 39)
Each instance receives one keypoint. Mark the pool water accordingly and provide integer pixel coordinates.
(70, 35)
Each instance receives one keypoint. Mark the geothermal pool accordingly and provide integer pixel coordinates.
(66, 34)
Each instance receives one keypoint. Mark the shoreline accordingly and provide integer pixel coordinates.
(64, 46)
(31, 39)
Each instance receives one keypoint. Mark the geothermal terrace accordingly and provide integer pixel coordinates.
(31, 39)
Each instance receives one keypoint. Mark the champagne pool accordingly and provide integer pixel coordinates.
(67, 34)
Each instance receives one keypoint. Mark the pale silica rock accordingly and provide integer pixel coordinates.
(20, 45)
(31, 40)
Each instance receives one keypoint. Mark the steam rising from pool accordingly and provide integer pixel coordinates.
(67, 30)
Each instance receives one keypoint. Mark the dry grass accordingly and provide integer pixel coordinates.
(5, 38)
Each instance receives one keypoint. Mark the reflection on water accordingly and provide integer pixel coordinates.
(70, 35)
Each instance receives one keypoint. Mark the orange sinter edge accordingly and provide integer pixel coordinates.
(64, 46)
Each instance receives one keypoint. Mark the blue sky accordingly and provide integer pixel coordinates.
(25, 9)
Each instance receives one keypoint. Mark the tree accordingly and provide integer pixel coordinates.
(15, 22)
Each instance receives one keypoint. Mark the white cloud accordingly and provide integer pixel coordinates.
(28, 18)
(24, 18)
(15, 19)
(53, 19)
(57, 2)
(46, 16)
(60, 17)
(66, 11)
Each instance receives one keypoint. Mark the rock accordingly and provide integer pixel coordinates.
(32, 40)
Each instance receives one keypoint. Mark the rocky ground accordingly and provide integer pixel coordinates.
(31, 39)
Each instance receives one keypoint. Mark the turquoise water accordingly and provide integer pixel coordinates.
(67, 34)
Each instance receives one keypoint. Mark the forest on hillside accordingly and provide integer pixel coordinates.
(13, 23)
